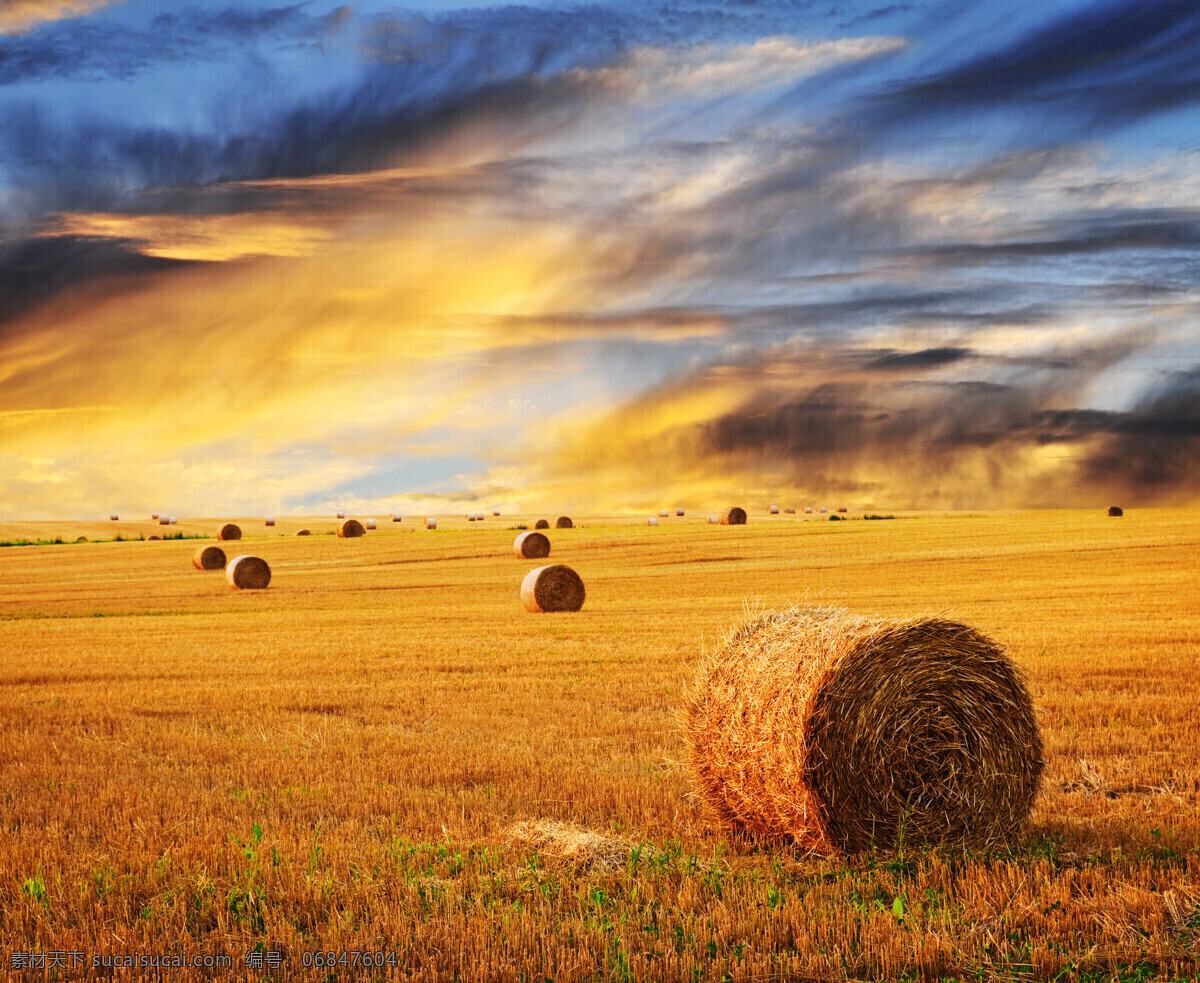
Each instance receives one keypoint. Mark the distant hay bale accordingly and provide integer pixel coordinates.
(341, 515)
(153, 515)
(679, 511)
(247, 572)
(164, 520)
(479, 516)
(370, 523)
(840, 732)
(823, 509)
(174, 519)
(842, 508)
(531, 546)
(82, 539)
(652, 521)
(714, 520)
(395, 518)
(350, 529)
(208, 558)
(154, 538)
(564, 522)
(270, 520)
(774, 510)
(542, 524)
(470, 516)
(113, 516)
(229, 532)
(789, 511)
(303, 532)
(1115, 510)
(808, 510)
(495, 511)
(663, 514)
(431, 523)
(733, 517)
(552, 588)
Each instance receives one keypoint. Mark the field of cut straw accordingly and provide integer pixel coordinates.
(385, 762)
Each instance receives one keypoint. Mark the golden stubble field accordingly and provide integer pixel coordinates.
(384, 754)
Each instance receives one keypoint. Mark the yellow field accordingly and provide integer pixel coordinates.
(384, 753)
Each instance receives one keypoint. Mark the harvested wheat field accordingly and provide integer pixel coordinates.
(384, 753)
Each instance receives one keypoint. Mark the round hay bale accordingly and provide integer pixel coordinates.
(652, 521)
(370, 524)
(1115, 510)
(164, 520)
(270, 520)
(229, 532)
(842, 508)
(470, 516)
(208, 558)
(714, 520)
(431, 523)
(303, 532)
(395, 518)
(733, 517)
(808, 510)
(842, 732)
(82, 539)
(774, 510)
(350, 529)
(174, 520)
(663, 514)
(247, 572)
(341, 515)
(495, 511)
(113, 516)
(552, 588)
(542, 524)
(679, 511)
(478, 516)
(789, 511)
(153, 515)
(154, 538)
(823, 509)
(564, 522)
(531, 546)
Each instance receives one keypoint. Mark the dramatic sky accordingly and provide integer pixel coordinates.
(262, 258)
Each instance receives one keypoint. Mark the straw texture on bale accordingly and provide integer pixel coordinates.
(564, 522)
(838, 732)
(652, 521)
(531, 546)
(542, 524)
(208, 558)
(247, 572)
(733, 517)
(303, 532)
(1115, 510)
(431, 523)
(229, 532)
(552, 588)
(774, 510)
(350, 529)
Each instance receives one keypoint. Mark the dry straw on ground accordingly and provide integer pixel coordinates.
(350, 529)
(733, 517)
(842, 732)
(208, 558)
(542, 524)
(563, 522)
(552, 588)
(229, 532)
(248, 573)
(1115, 510)
(531, 546)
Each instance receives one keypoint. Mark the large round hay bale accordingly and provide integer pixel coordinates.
(1115, 510)
(542, 524)
(841, 732)
(303, 532)
(395, 518)
(431, 523)
(82, 539)
(478, 516)
(113, 516)
(229, 532)
(470, 516)
(350, 529)
(370, 524)
(733, 517)
(531, 546)
(774, 510)
(552, 588)
(563, 522)
(208, 558)
(270, 520)
(248, 573)
(157, 539)
(164, 520)
(679, 511)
